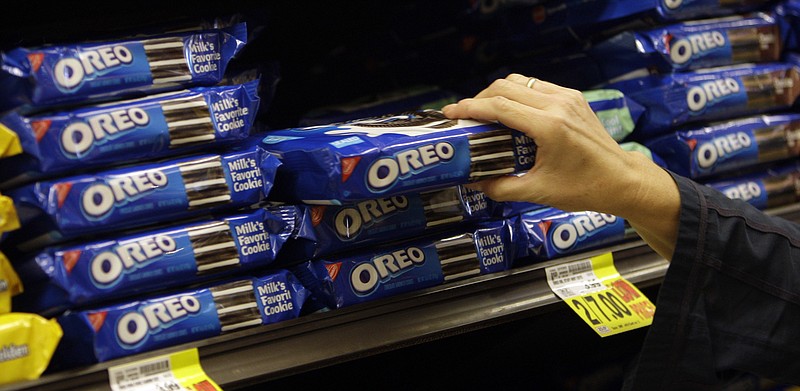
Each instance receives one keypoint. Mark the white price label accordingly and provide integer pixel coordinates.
(152, 375)
(573, 279)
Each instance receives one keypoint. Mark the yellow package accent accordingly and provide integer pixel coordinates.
(9, 220)
(10, 284)
(177, 371)
(9, 142)
(606, 301)
(27, 343)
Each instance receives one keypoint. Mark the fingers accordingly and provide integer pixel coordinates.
(540, 85)
(513, 114)
(540, 94)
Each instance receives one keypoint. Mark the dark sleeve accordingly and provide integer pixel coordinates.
(730, 301)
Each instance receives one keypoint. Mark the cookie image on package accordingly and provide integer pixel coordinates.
(167, 60)
(189, 121)
(236, 305)
(205, 183)
(458, 257)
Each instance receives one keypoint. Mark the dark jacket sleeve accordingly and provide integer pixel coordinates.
(730, 301)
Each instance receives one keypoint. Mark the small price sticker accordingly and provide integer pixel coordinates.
(174, 372)
(606, 301)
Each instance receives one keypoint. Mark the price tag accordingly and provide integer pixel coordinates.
(594, 289)
(175, 372)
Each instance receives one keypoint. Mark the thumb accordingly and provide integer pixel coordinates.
(506, 188)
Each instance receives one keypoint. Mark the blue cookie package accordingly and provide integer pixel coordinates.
(98, 136)
(691, 45)
(339, 228)
(104, 333)
(550, 233)
(92, 71)
(683, 98)
(580, 21)
(86, 273)
(391, 155)
(728, 146)
(764, 189)
(53, 211)
(411, 265)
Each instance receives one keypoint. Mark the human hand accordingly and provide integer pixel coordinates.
(578, 167)
(577, 161)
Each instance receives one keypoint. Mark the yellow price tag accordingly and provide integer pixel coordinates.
(174, 372)
(9, 142)
(606, 301)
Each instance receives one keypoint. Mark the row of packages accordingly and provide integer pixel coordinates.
(202, 241)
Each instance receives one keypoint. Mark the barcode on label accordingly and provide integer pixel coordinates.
(154, 367)
(580, 267)
(566, 292)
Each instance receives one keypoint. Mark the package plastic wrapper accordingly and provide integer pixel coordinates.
(89, 273)
(52, 211)
(550, 233)
(391, 155)
(136, 326)
(10, 284)
(94, 71)
(685, 98)
(767, 188)
(691, 45)
(410, 266)
(726, 147)
(27, 343)
(99, 136)
(340, 228)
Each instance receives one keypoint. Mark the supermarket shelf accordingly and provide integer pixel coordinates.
(316, 340)
(269, 352)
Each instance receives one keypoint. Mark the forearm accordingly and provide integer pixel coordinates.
(650, 203)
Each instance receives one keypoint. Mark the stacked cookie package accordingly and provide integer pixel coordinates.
(132, 169)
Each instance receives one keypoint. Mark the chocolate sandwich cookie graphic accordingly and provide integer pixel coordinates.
(189, 121)
(236, 305)
(458, 257)
(443, 207)
(778, 142)
(782, 190)
(205, 182)
(490, 154)
(755, 44)
(167, 60)
(214, 247)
